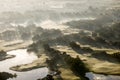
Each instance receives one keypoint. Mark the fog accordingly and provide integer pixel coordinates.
(65, 39)
(23, 5)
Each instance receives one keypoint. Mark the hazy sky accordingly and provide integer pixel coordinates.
(21, 5)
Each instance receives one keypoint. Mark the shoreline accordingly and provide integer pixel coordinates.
(15, 68)
(22, 45)
(105, 73)
(39, 63)
(12, 45)
(6, 57)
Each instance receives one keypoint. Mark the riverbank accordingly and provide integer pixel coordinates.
(39, 63)
(6, 57)
(12, 45)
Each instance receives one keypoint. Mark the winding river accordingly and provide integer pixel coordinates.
(22, 57)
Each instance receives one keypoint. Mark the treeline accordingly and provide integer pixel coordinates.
(30, 32)
(99, 38)
(102, 55)
(18, 33)
(80, 37)
(111, 34)
(90, 25)
(74, 64)
(84, 38)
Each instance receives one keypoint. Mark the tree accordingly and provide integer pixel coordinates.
(5, 75)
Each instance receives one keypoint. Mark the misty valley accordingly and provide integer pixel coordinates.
(60, 40)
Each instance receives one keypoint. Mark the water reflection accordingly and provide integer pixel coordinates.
(22, 57)
(93, 76)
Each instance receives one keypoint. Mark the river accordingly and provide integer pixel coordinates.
(22, 57)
